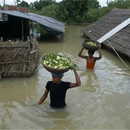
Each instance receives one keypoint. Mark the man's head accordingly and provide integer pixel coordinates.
(57, 77)
(91, 53)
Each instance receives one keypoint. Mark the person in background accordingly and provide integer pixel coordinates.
(58, 89)
(90, 59)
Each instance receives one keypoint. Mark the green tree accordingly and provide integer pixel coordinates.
(49, 11)
(125, 4)
(93, 4)
(23, 4)
(18, 1)
(42, 3)
(74, 10)
(94, 14)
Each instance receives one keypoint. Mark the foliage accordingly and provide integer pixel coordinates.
(23, 4)
(93, 4)
(51, 13)
(74, 10)
(124, 4)
(41, 4)
(18, 1)
(94, 14)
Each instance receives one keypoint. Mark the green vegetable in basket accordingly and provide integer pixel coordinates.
(91, 43)
(55, 60)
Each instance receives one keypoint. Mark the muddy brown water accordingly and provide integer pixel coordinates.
(102, 101)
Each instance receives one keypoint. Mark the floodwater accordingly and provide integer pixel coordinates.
(101, 102)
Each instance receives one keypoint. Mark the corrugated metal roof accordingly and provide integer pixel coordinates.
(52, 25)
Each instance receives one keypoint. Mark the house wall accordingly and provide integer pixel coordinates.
(20, 9)
(12, 28)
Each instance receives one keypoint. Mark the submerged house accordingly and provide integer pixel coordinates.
(18, 50)
(120, 40)
(17, 19)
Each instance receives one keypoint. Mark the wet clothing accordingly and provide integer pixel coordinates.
(57, 93)
(90, 62)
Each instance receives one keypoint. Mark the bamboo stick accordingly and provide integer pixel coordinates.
(1, 47)
(13, 62)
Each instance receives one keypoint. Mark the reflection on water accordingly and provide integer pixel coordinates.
(102, 101)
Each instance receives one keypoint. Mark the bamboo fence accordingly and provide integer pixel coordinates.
(17, 58)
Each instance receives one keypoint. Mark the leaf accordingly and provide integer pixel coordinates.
(64, 58)
(72, 66)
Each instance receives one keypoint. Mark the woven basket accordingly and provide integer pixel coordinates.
(54, 70)
(89, 47)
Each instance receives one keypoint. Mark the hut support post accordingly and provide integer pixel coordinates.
(22, 31)
(32, 27)
(1, 39)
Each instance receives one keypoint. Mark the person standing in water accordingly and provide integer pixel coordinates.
(90, 59)
(58, 89)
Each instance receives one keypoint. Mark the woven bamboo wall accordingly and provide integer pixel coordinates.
(18, 59)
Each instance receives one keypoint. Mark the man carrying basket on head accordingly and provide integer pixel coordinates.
(58, 89)
(90, 59)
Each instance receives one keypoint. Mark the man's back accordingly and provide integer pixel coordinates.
(57, 93)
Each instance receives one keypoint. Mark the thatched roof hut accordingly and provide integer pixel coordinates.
(121, 40)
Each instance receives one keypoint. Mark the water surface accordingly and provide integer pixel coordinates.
(102, 101)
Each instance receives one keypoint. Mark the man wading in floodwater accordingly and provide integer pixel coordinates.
(58, 89)
(90, 59)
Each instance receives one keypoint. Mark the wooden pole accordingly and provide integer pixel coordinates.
(3, 19)
(32, 27)
(22, 30)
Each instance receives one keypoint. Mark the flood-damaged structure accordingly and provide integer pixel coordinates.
(18, 50)
(120, 41)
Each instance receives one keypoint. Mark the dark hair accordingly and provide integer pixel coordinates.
(91, 52)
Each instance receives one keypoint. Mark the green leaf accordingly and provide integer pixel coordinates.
(72, 66)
